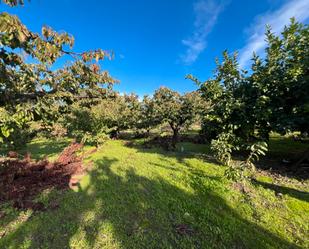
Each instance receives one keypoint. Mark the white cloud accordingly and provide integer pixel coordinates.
(277, 20)
(206, 15)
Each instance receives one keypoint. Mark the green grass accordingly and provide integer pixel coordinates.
(136, 198)
(285, 146)
(41, 147)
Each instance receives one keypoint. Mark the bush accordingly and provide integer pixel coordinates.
(58, 131)
(90, 138)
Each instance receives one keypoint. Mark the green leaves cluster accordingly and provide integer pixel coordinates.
(176, 109)
(33, 89)
(94, 122)
(11, 125)
(272, 96)
(117, 113)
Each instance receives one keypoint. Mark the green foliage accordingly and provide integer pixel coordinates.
(281, 81)
(223, 147)
(176, 109)
(148, 117)
(13, 127)
(83, 126)
(94, 139)
(32, 91)
(14, 2)
(256, 150)
(118, 113)
(245, 108)
(103, 118)
(79, 119)
(235, 173)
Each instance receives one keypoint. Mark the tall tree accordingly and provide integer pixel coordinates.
(28, 90)
(147, 118)
(274, 96)
(282, 79)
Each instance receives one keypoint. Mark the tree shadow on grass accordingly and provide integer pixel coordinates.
(301, 195)
(184, 150)
(40, 149)
(126, 210)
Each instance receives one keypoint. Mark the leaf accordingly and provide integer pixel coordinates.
(6, 131)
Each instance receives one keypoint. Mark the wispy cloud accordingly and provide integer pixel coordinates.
(206, 15)
(277, 20)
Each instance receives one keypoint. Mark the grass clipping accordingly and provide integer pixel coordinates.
(21, 180)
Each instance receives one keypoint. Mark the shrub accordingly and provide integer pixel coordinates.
(58, 131)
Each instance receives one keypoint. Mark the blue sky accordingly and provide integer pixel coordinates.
(158, 42)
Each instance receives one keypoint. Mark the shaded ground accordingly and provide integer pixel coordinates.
(283, 157)
(21, 180)
(282, 190)
(151, 198)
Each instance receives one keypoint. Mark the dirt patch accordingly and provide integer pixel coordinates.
(284, 168)
(241, 187)
(22, 180)
(184, 229)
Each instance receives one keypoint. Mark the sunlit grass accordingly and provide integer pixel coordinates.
(138, 198)
(40, 148)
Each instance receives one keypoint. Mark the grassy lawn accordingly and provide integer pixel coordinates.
(284, 146)
(41, 147)
(147, 198)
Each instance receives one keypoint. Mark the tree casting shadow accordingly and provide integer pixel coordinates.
(301, 195)
(141, 213)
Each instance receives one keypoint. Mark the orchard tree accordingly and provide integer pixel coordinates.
(28, 90)
(132, 109)
(147, 118)
(273, 97)
(175, 109)
(225, 91)
(282, 80)
(117, 114)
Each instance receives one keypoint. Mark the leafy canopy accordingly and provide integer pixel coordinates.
(28, 87)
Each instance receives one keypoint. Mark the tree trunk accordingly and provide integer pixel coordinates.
(114, 134)
(175, 137)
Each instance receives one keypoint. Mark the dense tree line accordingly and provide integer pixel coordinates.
(109, 116)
